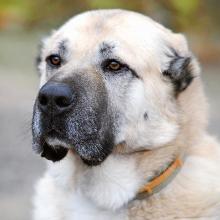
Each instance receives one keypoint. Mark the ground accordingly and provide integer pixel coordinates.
(19, 166)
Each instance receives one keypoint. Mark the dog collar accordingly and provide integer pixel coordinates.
(159, 182)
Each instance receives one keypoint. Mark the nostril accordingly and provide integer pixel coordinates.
(62, 101)
(43, 100)
(55, 98)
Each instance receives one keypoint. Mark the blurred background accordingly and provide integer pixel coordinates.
(24, 22)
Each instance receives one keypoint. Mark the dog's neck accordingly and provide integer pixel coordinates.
(160, 180)
(117, 181)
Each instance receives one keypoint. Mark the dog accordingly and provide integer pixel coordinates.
(121, 118)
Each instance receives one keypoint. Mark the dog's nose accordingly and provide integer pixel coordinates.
(55, 98)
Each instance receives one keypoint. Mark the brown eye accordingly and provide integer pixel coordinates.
(114, 66)
(54, 60)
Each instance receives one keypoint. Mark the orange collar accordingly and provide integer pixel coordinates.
(158, 182)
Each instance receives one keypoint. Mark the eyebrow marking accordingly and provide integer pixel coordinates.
(106, 48)
(62, 48)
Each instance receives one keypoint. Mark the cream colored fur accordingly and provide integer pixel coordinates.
(70, 190)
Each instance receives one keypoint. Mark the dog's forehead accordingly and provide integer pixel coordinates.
(95, 26)
(130, 34)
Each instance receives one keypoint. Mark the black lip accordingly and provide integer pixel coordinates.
(54, 154)
(92, 162)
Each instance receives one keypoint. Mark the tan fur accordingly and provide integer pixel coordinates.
(195, 192)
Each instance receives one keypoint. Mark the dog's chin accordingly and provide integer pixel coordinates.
(91, 162)
(92, 152)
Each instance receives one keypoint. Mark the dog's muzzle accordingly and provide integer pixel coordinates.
(70, 115)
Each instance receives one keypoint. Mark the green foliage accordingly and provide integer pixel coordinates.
(178, 14)
(105, 4)
(185, 7)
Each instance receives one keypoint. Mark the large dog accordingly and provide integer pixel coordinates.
(121, 117)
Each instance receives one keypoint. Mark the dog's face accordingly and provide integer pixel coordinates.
(108, 77)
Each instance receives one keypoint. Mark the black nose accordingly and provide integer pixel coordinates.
(55, 98)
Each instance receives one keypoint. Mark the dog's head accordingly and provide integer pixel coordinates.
(108, 77)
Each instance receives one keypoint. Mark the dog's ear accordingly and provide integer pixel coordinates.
(38, 58)
(181, 67)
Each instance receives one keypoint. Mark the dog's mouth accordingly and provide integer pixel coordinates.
(52, 147)
(54, 153)
(54, 144)
(55, 147)
(56, 150)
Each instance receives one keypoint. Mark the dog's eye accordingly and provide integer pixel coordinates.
(114, 65)
(54, 60)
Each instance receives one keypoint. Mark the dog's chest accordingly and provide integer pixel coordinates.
(79, 207)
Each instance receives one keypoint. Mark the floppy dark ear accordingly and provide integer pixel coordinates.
(179, 71)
